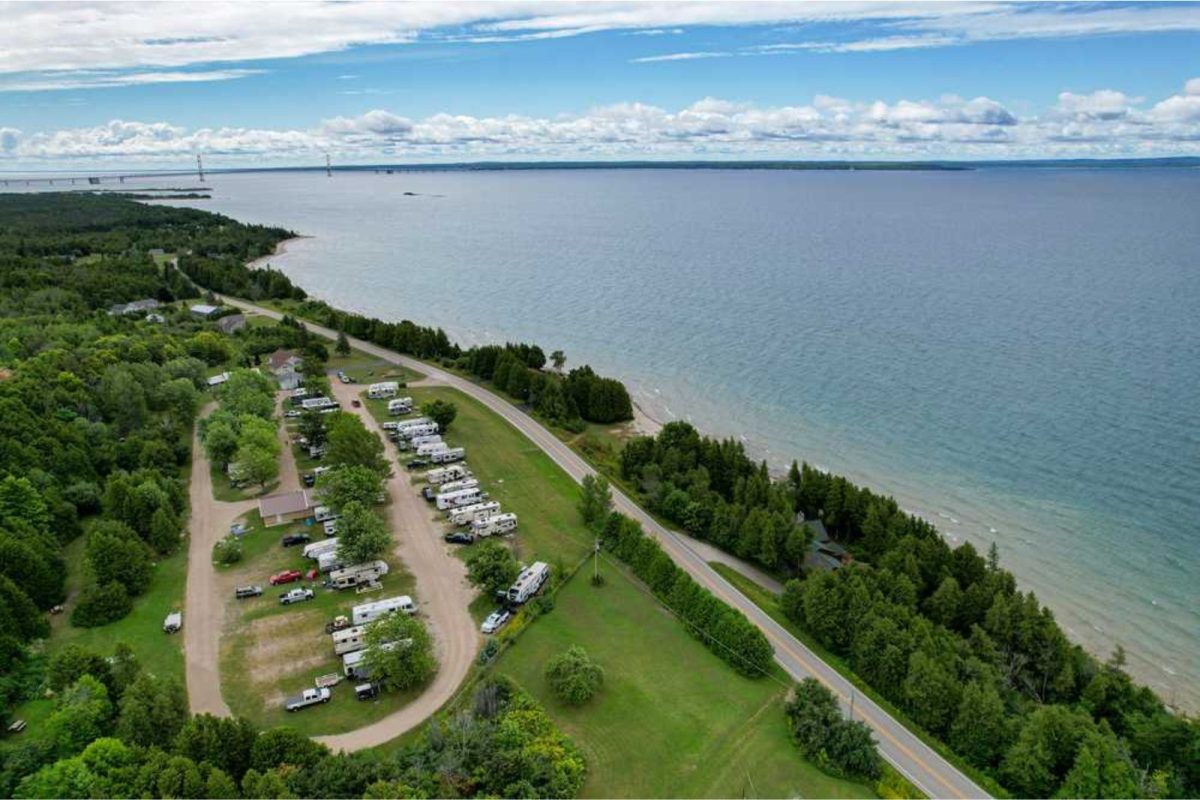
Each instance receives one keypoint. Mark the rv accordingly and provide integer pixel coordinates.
(458, 499)
(378, 391)
(431, 448)
(328, 562)
(354, 664)
(369, 612)
(348, 640)
(468, 514)
(528, 582)
(317, 452)
(441, 475)
(463, 483)
(423, 429)
(495, 525)
(397, 425)
(318, 549)
(401, 405)
(317, 403)
(324, 514)
(350, 576)
(448, 456)
(428, 438)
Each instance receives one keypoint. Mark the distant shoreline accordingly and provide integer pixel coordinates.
(280, 249)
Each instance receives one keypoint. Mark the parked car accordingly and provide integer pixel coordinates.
(309, 479)
(292, 413)
(417, 463)
(495, 621)
(238, 529)
(242, 592)
(287, 576)
(309, 697)
(296, 596)
(293, 539)
(173, 622)
(460, 537)
(356, 403)
(366, 691)
(428, 493)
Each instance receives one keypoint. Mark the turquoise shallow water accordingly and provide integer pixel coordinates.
(1013, 353)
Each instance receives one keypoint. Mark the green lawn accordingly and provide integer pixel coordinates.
(226, 492)
(364, 368)
(673, 719)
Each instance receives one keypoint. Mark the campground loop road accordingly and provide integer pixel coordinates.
(917, 761)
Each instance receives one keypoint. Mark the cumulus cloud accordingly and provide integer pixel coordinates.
(1101, 123)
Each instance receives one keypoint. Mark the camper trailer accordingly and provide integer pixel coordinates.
(318, 549)
(379, 391)
(423, 429)
(324, 514)
(448, 456)
(528, 582)
(401, 405)
(428, 438)
(328, 562)
(436, 477)
(462, 483)
(458, 499)
(468, 514)
(354, 665)
(348, 640)
(369, 612)
(401, 424)
(431, 448)
(495, 525)
(318, 403)
(356, 574)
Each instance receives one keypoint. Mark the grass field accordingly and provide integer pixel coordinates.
(226, 492)
(673, 720)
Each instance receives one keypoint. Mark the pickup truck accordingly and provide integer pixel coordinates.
(295, 596)
(242, 592)
(309, 697)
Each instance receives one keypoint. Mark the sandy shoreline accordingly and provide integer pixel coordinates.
(280, 249)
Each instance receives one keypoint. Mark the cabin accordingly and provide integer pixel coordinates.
(285, 366)
(205, 310)
(136, 307)
(823, 552)
(285, 507)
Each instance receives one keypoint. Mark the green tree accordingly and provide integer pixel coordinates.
(83, 714)
(362, 534)
(342, 348)
(595, 500)
(492, 567)
(248, 392)
(115, 553)
(256, 465)
(931, 691)
(312, 428)
(400, 652)
(349, 443)
(71, 663)
(442, 412)
(980, 731)
(100, 604)
(220, 442)
(573, 676)
(351, 484)
(224, 742)
(558, 359)
(153, 710)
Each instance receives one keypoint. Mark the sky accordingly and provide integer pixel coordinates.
(150, 85)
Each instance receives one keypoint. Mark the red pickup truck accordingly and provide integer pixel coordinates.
(287, 576)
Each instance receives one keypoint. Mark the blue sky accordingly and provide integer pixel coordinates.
(155, 83)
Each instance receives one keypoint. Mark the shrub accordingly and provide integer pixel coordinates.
(100, 605)
(842, 746)
(227, 551)
(573, 676)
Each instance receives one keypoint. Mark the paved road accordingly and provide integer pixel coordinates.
(442, 594)
(931, 773)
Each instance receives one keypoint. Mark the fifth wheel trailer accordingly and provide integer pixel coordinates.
(495, 525)
(463, 497)
(348, 640)
(468, 514)
(448, 456)
(436, 477)
(353, 575)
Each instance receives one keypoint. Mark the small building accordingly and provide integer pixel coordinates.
(823, 552)
(232, 323)
(155, 317)
(278, 509)
(204, 310)
(217, 380)
(285, 366)
(135, 307)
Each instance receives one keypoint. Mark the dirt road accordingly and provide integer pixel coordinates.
(442, 594)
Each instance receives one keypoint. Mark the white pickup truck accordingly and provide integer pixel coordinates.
(309, 697)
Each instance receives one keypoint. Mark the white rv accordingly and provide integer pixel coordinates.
(528, 582)
(358, 573)
(428, 438)
(431, 448)
(324, 514)
(458, 499)
(401, 405)
(318, 403)
(437, 477)
(448, 456)
(468, 514)
(495, 525)
(318, 549)
(462, 483)
(423, 429)
(348, 640)
(369, 612)
(328, 562)
(378, 391)
(354, 664)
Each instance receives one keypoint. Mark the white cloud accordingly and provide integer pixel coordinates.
(101, 79)
(1101, 123)
(681, 56)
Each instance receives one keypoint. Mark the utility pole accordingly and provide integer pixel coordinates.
(328, 167)
(852, 692)
(200, 167)
(596, 561)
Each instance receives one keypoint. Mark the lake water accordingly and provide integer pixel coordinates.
(1013, 353)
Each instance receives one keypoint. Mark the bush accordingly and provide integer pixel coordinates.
(573, 676)
(227, 551)
(842, 746)
(100, 605)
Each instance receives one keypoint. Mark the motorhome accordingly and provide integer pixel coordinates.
(317, 403)
(468, 514)
(401, 405)
(356, 574)
(448, 456)
(431, 448)
(462, 483)
(378, 391)
(348, 640)
(528, 582)
(369, 612)
(318, 549)
(458, 499)
(495, 525)
(437, 477)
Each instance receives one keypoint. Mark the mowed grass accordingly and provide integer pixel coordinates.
(271, 651)
(365, 368)
(673, 720)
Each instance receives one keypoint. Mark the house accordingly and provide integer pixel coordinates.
(136, 307)
(155, 317)
(232, 323)
(277, 509)
(217, 380)
(285, 366)
(823, 552)
(204, 310)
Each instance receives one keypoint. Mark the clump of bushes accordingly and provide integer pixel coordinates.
(101, 604)
(836, 744)
(573, 676)
(227, 551)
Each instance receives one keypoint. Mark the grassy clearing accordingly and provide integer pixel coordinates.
(672, 719)
(270, 651)
(365, 368)
(224, 491)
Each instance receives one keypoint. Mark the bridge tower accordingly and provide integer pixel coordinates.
(199, 167)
